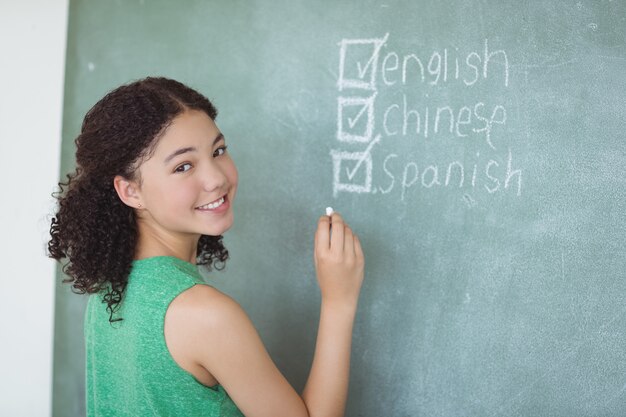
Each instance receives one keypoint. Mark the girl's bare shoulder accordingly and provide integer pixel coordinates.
(203, 305)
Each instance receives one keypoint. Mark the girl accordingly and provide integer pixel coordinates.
(150, 199)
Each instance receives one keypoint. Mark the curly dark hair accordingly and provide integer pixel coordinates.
(93, 228)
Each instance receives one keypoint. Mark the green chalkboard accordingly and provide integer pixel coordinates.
(477, 147)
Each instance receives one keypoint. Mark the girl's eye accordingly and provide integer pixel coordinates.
(183, 170)
(220, 151)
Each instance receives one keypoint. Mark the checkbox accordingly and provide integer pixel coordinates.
(352, 171)
(358, 62)
(355, 119)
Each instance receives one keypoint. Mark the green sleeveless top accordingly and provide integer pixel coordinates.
(130, 371)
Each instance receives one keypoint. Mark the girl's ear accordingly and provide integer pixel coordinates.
(127, 191)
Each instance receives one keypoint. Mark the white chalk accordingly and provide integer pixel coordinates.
(329, 211)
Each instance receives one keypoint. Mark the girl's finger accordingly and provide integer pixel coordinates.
(348, 245)
(358, 250)
(336, 238)
(322, 235)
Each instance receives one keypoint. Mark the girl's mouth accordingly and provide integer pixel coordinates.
(218, 205)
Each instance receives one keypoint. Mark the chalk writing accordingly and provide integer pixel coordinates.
(442, 67)
(416, 111)
(487, 176)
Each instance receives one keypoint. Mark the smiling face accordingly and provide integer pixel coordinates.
(189, 183)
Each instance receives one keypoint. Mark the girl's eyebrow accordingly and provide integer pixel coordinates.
(181, 151)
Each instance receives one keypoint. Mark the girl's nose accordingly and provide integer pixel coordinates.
(213, 177)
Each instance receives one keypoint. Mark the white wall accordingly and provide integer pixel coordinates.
(32, 59)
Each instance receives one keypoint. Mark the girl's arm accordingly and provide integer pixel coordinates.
(339, 263)
(219, 336)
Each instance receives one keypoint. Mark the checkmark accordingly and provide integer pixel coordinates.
(362, 71)
(364, 165)
(364, 156)
(352, 120)
(355, 112)
(363, 67)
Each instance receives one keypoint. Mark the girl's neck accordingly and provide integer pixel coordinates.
(152, 243)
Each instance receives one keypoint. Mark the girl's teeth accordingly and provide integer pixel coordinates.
(214, 205)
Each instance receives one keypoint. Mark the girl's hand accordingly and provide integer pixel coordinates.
(339, 262)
